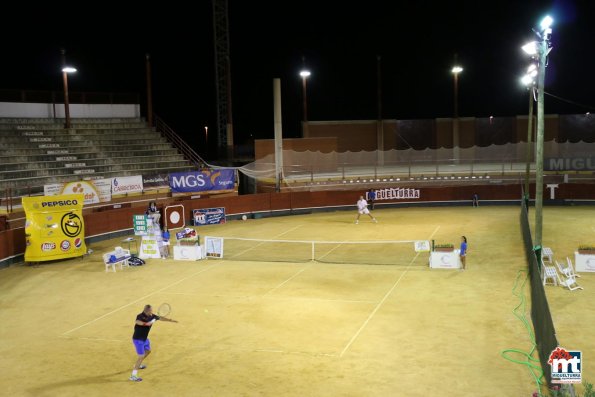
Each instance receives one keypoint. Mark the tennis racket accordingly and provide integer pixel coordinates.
(164, 310)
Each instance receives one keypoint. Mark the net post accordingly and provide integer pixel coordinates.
(537, 250)
(312, 251)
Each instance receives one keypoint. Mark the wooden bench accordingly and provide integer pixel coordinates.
(117, 256)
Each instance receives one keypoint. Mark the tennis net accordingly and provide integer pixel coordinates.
(379, 252)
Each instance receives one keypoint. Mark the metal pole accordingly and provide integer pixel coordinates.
(149, 92)
(539, 143)
(529, 147)
(65, 82)
(278, 134)
(379, 122)
(455, 129)
(305, 108)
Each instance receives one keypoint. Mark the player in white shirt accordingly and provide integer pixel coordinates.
(362, 208)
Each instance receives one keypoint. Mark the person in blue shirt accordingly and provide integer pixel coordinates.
(165, 240)
(371, 198)
(463, 251)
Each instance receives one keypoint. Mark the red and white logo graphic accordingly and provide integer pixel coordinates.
(65, 245)
(78, 242)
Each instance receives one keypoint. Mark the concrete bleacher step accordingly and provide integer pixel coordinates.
(73, 162)
(37, 152)
(79, 169)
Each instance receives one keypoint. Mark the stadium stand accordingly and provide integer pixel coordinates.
(40, 151)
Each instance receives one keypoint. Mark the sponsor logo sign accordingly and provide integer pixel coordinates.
(208, 216)
(200, 181)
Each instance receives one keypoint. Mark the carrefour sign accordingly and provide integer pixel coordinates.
(201, 181)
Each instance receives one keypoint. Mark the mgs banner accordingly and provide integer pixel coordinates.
(54, 228)
(201, 181)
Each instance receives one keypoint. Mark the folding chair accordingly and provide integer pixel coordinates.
(550, 272)
(570, 283)
(571, 267)
(564, 269)
(547, 255)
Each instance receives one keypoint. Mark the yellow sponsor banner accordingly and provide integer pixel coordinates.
(54, 228)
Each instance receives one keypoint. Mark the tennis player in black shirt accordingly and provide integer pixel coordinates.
(142, 326)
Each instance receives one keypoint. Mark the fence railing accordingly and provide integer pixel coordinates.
(169, 134)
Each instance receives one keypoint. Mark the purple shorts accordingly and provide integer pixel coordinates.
(141, 346)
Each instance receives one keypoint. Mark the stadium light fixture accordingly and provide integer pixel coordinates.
(65, 71)
(546, 23)
(456, 69)
(538, 50)
(531, 48)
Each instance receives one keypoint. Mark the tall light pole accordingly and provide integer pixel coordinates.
(65, 71)
(304, 74)
(455, 122)
(529, 81)
(149, 91)
(540, 50)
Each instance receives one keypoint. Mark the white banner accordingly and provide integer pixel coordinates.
(123, 185)
(95, 191)
(149, 248)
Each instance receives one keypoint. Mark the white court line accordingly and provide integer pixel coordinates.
(93, 339)
(138, 300)
(248, 297)
(338, 245)
(201, 348)
(286, 281)
(383, 299)
(258, 245)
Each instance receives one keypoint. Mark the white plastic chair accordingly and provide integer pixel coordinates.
(550, 272)
(571, 267)
(108, 264)
(122, 253)
(547, 255)
(570, 283)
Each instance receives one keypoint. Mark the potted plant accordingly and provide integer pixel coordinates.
(444, 247)
(586, 249)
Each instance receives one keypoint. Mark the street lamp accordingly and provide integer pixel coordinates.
(206, 134)
(65, 71)
(539, 51)
(455, 123)
(304, 74)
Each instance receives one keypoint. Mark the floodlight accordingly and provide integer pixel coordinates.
(457, 69)
(531, 48)
(546, 23)
(68, 69)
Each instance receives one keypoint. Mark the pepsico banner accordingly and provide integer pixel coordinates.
(54, 228)
(201, 181)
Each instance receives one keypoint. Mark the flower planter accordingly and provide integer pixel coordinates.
(587, 252)
(444, 249)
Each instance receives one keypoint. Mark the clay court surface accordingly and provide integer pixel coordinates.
(302, 328)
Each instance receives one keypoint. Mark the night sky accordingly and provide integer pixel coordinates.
(417, 41)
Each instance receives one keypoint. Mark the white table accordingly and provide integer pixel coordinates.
(445, 260)
(584, 263)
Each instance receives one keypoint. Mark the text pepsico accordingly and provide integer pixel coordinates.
(59, 203)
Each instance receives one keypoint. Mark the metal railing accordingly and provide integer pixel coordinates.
(169, 134)
(54, 97)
